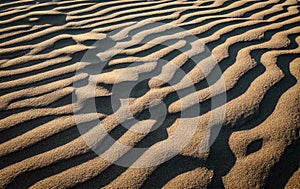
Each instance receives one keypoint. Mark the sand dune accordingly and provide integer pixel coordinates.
(255, 44)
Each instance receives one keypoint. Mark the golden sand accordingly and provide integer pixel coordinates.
(255, 43)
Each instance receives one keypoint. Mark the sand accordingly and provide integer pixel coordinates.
(255, 45)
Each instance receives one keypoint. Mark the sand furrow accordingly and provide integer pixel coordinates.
(243, 63)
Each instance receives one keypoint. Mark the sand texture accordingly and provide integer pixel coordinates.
(254, 43)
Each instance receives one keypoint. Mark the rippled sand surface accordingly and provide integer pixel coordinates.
(254, 43)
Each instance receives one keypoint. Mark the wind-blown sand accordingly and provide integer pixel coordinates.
(255, 44)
